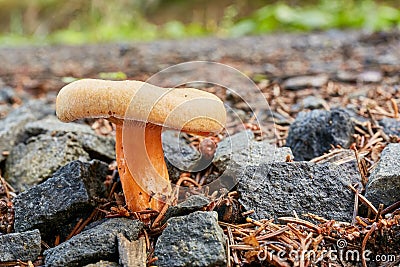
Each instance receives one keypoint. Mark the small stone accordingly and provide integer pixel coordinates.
(97, 146)
(384, 182)
(300, 82)
(348, 163)
(179, 155)
(68, 194)
(370, 76)
(132, 253)
(231, 145)
(4, 110)
(313, 133)
(191, 204)
(33, 162)
(92, 245)
(51, 125)
(277, 189)
(7, 95)
(12, 126)
(24, 246)
(241, 150)
(103, 264)
(313, 102)
(390, 126)
(192, 240)
(346, 76)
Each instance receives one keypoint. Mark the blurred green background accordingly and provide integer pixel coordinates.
(93, 21)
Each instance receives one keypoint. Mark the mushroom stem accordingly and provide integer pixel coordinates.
(145, 159)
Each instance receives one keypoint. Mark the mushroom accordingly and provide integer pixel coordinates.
(140, 111)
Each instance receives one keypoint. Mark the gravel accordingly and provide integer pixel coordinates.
(25, 246)
(36, 160)
(179, 155)
(189, 205)
(92, 245)
(12, 126)
(192, 240)
(70, 193)
(300, 82)
(277, 189)
(313, 133)
(241, 150)
(97, 146)
(390, 126)
(384, 182)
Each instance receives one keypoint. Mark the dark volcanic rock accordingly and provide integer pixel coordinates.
(24, 246)
(390, 126)
(300, 82)
(230, 146)
(347, 162)
(33, 162)
(384, 182)
(370, 76)
(68, 194)
(98, 147)
(192, 240)
(313, 133)
(12, 127)
(103, 264)
(191, 204)
(277, 189)
(179, 155)
(241, 150)
(93, 245)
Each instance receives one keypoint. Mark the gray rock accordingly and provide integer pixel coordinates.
(93, 245)
(179, 155)
(313, 102)
(300, 82)
(98, 147)
(313, 133)
(7, 95)
(230, 146)
(192, 240)
(31, 163)
(384, 182)
(277, 189)
(346, 76)
(4, 110)
(191, 204)
(348, 165)
(68, 194)
(12, 126)
(24, 246)
(51, 125)
(241, 150)
(390, 126)
(370, 76)
(103, 264)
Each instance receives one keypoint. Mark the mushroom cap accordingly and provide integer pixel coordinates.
(187, 109)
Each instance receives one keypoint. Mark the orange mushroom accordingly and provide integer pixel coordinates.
(140, 111)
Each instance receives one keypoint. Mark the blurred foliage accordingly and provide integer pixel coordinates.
(90, 21)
